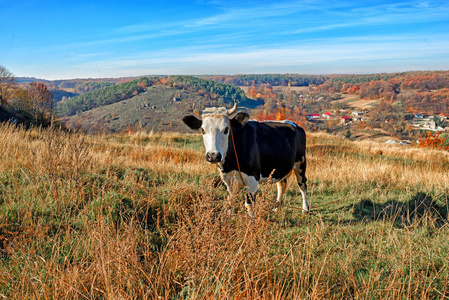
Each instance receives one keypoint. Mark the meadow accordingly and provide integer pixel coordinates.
(142, 216)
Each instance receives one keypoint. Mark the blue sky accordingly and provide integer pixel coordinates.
(96, 38)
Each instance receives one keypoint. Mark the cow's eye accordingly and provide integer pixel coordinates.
(226, 131)
(202, 131)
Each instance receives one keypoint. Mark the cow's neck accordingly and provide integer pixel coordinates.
(229, 161)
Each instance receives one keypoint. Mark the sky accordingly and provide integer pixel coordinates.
(53, 39)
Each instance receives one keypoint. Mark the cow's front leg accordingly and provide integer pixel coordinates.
(251, 188)
(232, 187)
(249, 203)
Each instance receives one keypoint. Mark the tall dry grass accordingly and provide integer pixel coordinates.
(143, 217)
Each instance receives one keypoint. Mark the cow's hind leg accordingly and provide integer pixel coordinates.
(282, 186)
(300, 172)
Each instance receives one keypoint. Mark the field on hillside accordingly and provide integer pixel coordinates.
(142, 216)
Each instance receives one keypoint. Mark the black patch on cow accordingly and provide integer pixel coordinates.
(266, 148)
(239, 120)
(192, 121)
(250, 199)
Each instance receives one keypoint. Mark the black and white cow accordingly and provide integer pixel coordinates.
(265, 150)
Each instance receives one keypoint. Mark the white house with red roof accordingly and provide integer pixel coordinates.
(345, 120)
(313, 116)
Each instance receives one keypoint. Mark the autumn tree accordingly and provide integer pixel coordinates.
(41, 98)
(34, 102)
(7, 85)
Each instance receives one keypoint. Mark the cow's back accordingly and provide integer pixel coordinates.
(279, 146)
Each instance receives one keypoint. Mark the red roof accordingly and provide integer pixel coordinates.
(345, 117)
(327, 114)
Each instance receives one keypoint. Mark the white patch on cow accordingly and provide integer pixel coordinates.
(305, 204)
(249, 181)
(215, 134)
(281, 187)
(302, 186)
(282, 121)
(290, 122)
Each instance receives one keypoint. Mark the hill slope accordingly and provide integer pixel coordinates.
(154, 109)
(147, 103)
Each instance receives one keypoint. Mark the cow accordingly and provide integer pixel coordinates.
(252, 152)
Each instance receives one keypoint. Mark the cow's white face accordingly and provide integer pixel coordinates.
(215, 130)
(215, 125)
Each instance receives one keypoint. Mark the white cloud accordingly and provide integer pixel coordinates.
(363, 55)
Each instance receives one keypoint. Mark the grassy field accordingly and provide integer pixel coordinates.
(144, 217)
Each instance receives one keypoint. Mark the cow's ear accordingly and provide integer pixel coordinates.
(239, 120)
(192, 122)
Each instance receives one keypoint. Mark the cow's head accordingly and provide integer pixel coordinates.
(214, 124)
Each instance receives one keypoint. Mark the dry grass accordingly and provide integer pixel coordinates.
(143, 217)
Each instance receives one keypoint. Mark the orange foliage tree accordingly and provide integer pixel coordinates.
(41, 98)
(433, 140)
(282, 113)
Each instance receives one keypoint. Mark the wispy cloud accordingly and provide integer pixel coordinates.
(234, 16)
(338, 53)
(386, 14)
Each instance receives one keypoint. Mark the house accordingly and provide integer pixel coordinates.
(357, 113)
(419, 116)
(345, 120)
(327, 115)
(442, 117)
(313, 116)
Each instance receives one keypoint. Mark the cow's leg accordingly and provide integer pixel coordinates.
(231, 184)
(282, 186)
(251, 184)
(251, 188)
(300, 172)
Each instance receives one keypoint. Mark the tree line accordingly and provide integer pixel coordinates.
(30, 103)
(272, 79)
(107, 95)
(223, 93)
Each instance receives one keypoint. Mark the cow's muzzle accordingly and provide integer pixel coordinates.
(213, 157)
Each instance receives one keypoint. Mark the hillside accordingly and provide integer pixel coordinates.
(154, 109)
(142, 216)
(147, 103)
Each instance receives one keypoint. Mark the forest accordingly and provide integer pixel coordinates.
(223, 92)
(104, 96)
(272, 79)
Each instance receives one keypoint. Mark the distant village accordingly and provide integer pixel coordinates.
(419, 122)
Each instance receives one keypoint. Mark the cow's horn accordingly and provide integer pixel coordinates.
(195, 111)
(233, 109)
